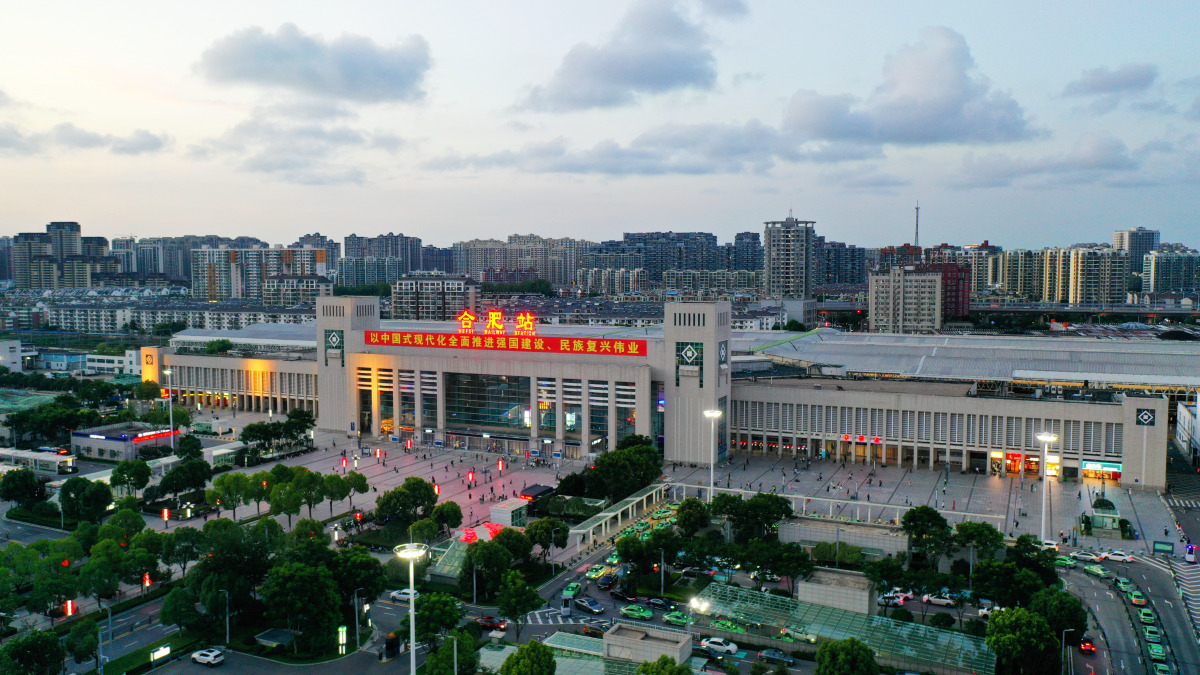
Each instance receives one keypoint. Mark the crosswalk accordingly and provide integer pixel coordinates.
(552, 617)
(1187, 577)
(1183, 503)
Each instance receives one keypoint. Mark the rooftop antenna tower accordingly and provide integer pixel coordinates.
(917, 227)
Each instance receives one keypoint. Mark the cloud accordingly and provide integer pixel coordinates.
(864, 178)
(1131, 77)
(5, 100)
(139, 142)
(305, 153)
(350, 67)
(1093, 159)
(15, 142)
(729, 9)
(70, 137)
(691, 149)
(931, 93)
(654, 50)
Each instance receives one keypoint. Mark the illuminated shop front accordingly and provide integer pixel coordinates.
(1103, 470)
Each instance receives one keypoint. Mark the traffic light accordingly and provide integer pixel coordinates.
(437, 489)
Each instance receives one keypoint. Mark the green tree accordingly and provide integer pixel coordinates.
(483, 565)
(101, 576)
(354, 567)
(259, 489)
(437, 613)
(531, 658)
(358, 483)
(547, 533)
(147, 390)
(182, 547)
(189, 448)
(929, 533)
(619, 473)
(1062, 611)
(981, 539)
(441, 662)
(793, 326)
(218, 346)
(23, 487)
(447, 515)
(335, 488)
(850, 656)
(691, 517)
(286, 500)
(304, 598)
(35, 653)
(943, 621)
(516, 542)
(1022, 642)
(424, 530)
(234, 489)
(517, 599)
(665, 665)
(793, 563)
(133, 474)
(634, 440)
(83, 641)
(311, 488)
(404, 505)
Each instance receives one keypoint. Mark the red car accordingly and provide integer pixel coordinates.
(1086, 645)
(491, 623)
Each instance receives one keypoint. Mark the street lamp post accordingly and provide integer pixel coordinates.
(226, 616)
(712, 416)
(109, 621)
(455, 638)
(695, 604)
(100, 649)
(553, 534)
(357, 638)
(412, 553)
(170, 405)
(1046, 438)
(1062, 643)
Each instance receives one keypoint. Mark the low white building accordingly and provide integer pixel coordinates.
(129, 363)
(10, 355)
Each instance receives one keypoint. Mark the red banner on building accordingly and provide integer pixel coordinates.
(507, 343)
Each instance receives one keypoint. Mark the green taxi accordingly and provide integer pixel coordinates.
(572, 589)
(637, 612)
(1145, 615)
(596, 572)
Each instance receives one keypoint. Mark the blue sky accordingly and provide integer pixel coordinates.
(1024, 123)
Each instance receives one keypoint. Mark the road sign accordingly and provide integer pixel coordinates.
(1164, 547)
(1145, 417)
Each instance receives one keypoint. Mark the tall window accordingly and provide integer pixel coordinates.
(491, 403)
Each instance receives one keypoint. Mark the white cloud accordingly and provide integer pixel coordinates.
(931, 93)
(350, 67)
(67, 136)
(1131, 77)
(654, 49)
(1093, 159)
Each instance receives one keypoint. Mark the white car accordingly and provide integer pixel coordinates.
(889, 600)
(1052, 545)
(903, 595)
(1120, 556)
(209, 657)
(1087, 555)
(939, 600)
(987, 612)
(719, 644)
(405, 595)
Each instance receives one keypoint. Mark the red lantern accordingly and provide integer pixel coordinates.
(437, 489)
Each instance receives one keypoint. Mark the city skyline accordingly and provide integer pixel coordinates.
(591, 119)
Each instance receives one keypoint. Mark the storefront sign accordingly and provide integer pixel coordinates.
(1164, 547)
(1101, 466)
(508, 343)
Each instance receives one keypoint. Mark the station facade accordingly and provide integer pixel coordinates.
(508, 384)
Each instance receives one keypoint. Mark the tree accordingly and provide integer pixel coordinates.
(634, 440)
(441, 662)
(147, 390)
(182, 547)
(36, 653)
(311, 488)
(286, 500)
(133, 474)
(619, 473)
(792, 562)
(531, 658)
(485, 561)
(83, 641)
(753, 517)
(218, 346)
(547, 533)
(691, 517)
(259, 489)
(70, 495)
(304, 597)
(1005, 583)
(189, 448)
(358, 483)
(128, 522)
(517, 599)
(793, 326)
(437, 613)
(404, 505)
(353, 568)
(423, 530)
(448, 515)
(335, 488)
(929, 533)
(1062, 611)
(1022, 641)
(665, 665)
(943, 621)
(23, 487)
(234, 489)
(983, 540)
(846, 657)
(516, 542)
(887, 573)
(101, 576)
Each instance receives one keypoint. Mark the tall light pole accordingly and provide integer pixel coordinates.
(455, 638)
(1046, 438)
(553, 533)
(412, 553)
(712, 416)
(170, 405)
(1062, 644)
(695, 604)
(226, 616)
(357, 638)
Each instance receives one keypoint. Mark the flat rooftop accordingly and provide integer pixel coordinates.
(879, 386)
(840, 579)
(641, 635)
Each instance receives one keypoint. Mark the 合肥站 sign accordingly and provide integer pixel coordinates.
(511, 343)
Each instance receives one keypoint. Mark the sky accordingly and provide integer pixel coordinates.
(1024, 123)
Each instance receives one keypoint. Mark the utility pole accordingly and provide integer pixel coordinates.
(917, 227)
(226, 616)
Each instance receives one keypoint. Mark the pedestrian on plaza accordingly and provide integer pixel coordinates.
(1164, 531)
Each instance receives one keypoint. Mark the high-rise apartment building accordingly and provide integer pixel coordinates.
(610, 282)
(1056, 274)
(65, 239)
(1098, 276)
(6, 250)
(26, 247)
(746, 253)
(663, 251)
(1138, 242)
(407, 249)
(438, 259)
(789, 258)
(979, 257)
(124, 249)
(295, 289)
(956, 286)
(434, 297)
(840, 263)
(333, 249)
(904, 300)
(1171, 272)
(224, 273)
(521, 257)
(364, 271)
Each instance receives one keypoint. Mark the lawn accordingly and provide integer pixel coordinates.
(138, 661)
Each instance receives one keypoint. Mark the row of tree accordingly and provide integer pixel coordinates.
(614, 475)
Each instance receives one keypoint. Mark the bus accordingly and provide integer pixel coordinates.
(46, 461)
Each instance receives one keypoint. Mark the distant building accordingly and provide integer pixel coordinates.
(365, 271)
(434, 297)
(224, 273)
(746, 252)
(295, 289)
(611, 281)
(1171, 272)
(790, 258)
(333, 249)
(438, 259)
(905, 300)
(407, 249)
(956, 287)
(1137, 242)
(1098, 276)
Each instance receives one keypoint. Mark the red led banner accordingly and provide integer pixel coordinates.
(507, 343)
